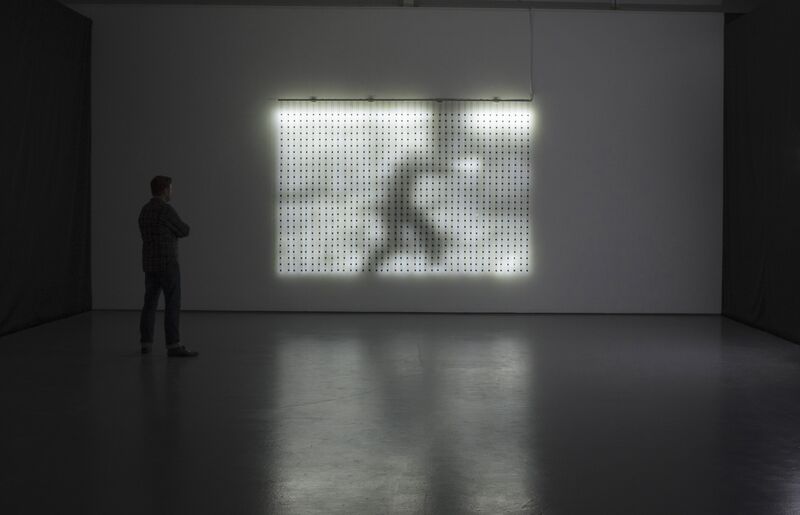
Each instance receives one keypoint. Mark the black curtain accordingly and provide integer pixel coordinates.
(761, 265)
(44, 163)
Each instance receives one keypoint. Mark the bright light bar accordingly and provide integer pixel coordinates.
(399, 187)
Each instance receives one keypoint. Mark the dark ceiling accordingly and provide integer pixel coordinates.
(727, 6)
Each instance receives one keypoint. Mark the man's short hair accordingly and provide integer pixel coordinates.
(159, 184)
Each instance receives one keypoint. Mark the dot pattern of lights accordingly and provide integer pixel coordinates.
(404, 187)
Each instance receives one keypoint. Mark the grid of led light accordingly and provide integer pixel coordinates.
(404, 187)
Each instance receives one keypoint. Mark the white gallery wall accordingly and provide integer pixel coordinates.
(626, 195)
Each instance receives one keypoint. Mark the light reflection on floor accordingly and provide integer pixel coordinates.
(432, 431)
(372, 414)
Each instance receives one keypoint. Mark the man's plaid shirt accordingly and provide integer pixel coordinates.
(161, 227)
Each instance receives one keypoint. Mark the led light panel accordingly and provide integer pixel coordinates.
(404, 187)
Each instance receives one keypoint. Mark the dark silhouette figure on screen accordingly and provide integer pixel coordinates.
(399, 212)
(161, 227)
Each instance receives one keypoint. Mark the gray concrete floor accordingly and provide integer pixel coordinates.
(351, 414)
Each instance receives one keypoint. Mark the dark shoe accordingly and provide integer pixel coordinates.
(146, 348)
(181, 352)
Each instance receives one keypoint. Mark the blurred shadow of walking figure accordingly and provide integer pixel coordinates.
(160, 227)
(401, 215)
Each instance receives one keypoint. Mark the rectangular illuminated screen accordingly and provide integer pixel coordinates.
(405, 187)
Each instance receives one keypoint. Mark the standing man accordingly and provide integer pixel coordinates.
(161, 227)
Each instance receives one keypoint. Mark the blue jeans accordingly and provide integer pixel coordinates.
(154, 282)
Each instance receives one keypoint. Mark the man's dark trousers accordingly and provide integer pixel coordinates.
(169, 281)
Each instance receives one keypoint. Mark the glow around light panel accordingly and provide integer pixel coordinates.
(404, 187)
